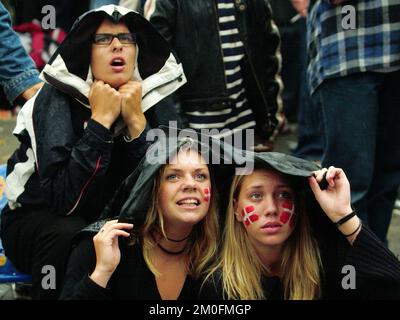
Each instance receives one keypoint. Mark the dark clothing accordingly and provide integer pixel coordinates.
(377, 273)
(310, 140)
(131, 280)
(292, 36)
(191, 28)
(38, 239)
(283, 12)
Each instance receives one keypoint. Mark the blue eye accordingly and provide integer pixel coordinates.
(171, 177)
(255, 196)
(200, 177)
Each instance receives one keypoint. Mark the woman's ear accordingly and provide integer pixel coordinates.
(238, 215)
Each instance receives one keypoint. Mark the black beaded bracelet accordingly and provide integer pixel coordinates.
(345, 219)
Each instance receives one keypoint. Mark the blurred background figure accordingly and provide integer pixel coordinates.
(302, 116)
(353, 77)
(292, 28)
(229, 51)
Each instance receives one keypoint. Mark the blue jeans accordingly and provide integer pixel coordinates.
(361, 124)
(17, 70)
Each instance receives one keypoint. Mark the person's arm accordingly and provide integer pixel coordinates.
(18, 75)
(129, 152)
(108, 254)
(93, 262)
(162, 15)
(68, 166)
(335, 200)
(77, 283)
(377, 270)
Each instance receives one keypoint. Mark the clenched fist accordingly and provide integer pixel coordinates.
(105, 103)
(131, 107)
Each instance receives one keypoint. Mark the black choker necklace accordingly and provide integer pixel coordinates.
(173, 240)
(171, 252)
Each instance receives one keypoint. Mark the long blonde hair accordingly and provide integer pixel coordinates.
(203, 240)
(242, 269)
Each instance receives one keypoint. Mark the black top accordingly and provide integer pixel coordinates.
(131, 280)
(377, 272)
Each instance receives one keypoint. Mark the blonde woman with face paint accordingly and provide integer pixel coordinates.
(173, 246)
(278, 246)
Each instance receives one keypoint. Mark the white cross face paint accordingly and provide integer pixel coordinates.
(249, 215)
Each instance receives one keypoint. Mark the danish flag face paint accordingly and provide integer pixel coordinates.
(249, 215)
(287, 213)
(207, 194)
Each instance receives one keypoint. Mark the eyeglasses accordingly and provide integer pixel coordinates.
(107, 38)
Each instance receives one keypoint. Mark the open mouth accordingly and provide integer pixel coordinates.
(191, 202)
(117, 62)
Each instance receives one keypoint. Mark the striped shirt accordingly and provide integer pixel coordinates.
(335, 51)
(240, 116)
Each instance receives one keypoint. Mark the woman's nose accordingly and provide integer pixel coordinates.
(270, 206)
(189, 184)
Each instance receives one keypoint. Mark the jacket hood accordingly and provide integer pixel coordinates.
(156, 67)
(286, 164)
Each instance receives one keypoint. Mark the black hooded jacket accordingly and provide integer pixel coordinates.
(67, 162)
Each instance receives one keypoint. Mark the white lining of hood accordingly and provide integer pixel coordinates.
(110, 8)
(58, 70)
(165, 81)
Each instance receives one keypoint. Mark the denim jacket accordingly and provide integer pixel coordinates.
(17, 70)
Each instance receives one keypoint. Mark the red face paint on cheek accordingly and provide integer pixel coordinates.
(284, 217)
(249, 215)
(288, 205)
(287, 212)
(207, 194)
